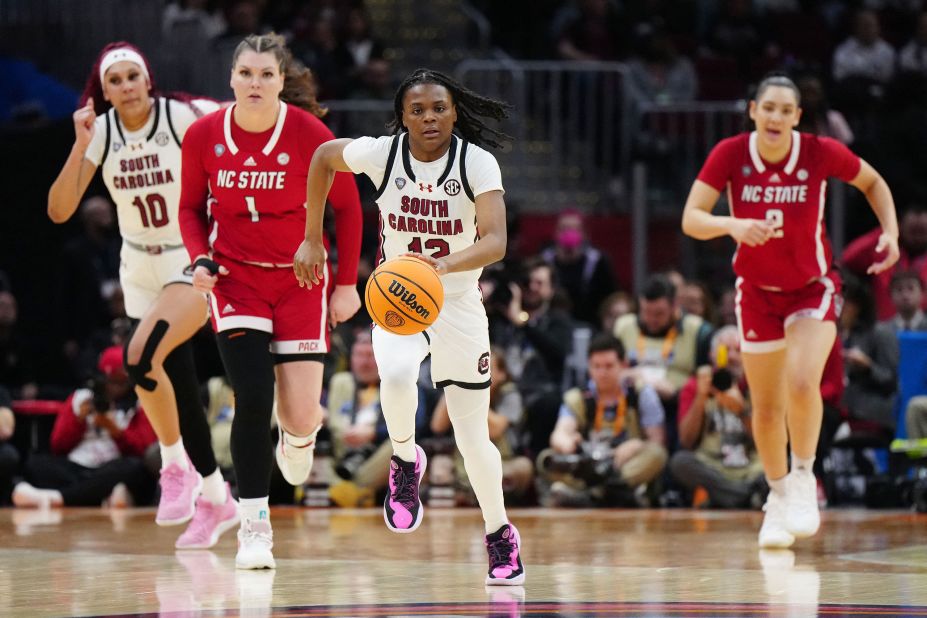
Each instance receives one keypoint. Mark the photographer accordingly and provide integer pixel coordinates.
(99, 438)
(609, 439)
(715, 435)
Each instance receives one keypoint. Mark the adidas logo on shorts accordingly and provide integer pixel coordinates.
(228, 308)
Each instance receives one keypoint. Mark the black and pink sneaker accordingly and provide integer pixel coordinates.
(505, 567)
(402, 508)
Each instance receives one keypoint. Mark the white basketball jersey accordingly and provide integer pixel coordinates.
(142, 171)
(433, 216)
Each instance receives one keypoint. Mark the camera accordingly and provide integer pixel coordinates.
(722, 379)
(592, 465)
(100, 399)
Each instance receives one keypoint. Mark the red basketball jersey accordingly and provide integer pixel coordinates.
(257, 188)
(790, 194)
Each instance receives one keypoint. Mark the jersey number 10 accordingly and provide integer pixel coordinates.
(153, 210)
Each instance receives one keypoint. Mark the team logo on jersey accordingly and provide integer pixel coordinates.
(161, 138)
(482, 365)
(283, 158)
(219, 149)
(802, 175)
(400, 183)
(746, 171)
(117, 146)
(424, 187)
(452, 187)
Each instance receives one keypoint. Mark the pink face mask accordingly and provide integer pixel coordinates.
(569, 239)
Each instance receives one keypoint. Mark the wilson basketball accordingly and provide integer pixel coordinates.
(404, 295)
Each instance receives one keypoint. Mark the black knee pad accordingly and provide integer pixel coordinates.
(139, 371)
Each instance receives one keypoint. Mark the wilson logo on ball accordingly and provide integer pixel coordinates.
(408, 298)
(393, 319)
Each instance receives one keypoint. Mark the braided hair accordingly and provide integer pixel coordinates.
(471, 107)
(299, 86)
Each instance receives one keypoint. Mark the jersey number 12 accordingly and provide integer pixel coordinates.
(439, 246)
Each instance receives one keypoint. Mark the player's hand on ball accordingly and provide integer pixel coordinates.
(435, 263)
(752, 232)
(888, 245)
(343, 305)
(309, 263)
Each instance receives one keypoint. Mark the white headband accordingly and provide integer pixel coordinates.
(118, 55)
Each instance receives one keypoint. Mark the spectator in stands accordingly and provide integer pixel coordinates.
(912, 243)
(506, 413)
(738, 32)
(715, 433)
(613, 307)
(99, 438)
(664, 345)
(870, 355)
(9, 456)
(584, 272)
(913, 56)
(695, 298)
(193, 15)
(609, 437)
(833, 385)
(17, 370)
(658, 74)
(361, 445)
(865, 54)
(537, 340)
(359, 55)
(589, 30)
(727, 308)
(907, 290)
(816, 115)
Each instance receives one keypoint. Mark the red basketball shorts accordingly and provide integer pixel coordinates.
(270, 300)
(763, 315)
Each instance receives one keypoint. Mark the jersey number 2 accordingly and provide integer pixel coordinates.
(153, 210)
(438, 245)
(777, 218)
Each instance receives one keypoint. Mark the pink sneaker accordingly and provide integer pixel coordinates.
(179, 490)
(504, 548)
(209, 522)
(402, 508)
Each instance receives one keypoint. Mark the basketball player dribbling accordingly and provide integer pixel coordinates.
(242, 212)
(435, 189)
(787, 292)
(134, 136)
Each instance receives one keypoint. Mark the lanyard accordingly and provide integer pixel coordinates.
(668, 342)
(620, 410)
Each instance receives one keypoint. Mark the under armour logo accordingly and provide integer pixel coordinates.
(139, 146)
(423, 187)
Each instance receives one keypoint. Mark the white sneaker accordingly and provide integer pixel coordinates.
(255, 540)
(802, 518)
(295, 462)
(773, 534)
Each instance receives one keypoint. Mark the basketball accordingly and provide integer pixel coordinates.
(404, 295)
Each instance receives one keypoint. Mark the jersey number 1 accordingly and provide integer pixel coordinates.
(438, 245)
(153, 210)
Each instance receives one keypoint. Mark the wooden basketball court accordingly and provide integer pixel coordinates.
(97, 562)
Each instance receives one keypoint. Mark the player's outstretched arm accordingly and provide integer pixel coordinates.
(71, 183)
(309, 261)
(879, 196)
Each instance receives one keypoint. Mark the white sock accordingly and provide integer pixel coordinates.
(25, 494)
(254, 509)
(777, 486)
(801, 463)
(175, 453)
(469, 412)
(398, 361)
(214, 487)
